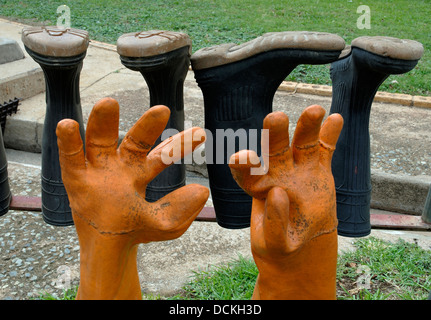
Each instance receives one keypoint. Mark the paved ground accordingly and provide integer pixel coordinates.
(33, 255)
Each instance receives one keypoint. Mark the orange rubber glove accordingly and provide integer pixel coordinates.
(106, 189)
(294, 222)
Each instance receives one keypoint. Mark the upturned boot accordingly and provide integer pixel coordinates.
(238, 83)
(356, 77)
(60, 53)
(163, 59)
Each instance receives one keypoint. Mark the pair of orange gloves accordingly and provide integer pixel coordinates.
(293, 221)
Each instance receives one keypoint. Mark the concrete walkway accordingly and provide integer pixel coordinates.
(401, 170)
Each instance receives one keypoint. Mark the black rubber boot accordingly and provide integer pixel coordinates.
(356, 77)
(163, 58)
(238, 85)
(5, 193)
(60, 53)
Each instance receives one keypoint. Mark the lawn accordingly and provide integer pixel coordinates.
(210, 22)
(376, 270)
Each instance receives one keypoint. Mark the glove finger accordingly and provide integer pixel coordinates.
(142, 136)
(257, 237)
(248, 173)
(176, 211)
(174, 149)
(329, 134)
(305, 142)
(277, 126)
(102, 131)
(276, 220)
(70, 149)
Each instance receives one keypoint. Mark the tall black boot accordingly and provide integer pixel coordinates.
(238, 84)
(5, 194)
(60, 53)
(163, 58)
(356, 77)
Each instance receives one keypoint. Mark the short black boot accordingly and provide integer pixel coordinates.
(163, 58)
(60, 53)
(356, 77)
(238, 83)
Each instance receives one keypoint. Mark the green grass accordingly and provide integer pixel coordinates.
(233, 281)
(394, 271)
(69, 294)
(210, 22)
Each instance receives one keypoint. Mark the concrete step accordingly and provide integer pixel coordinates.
(9, 51)
(20, 79)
